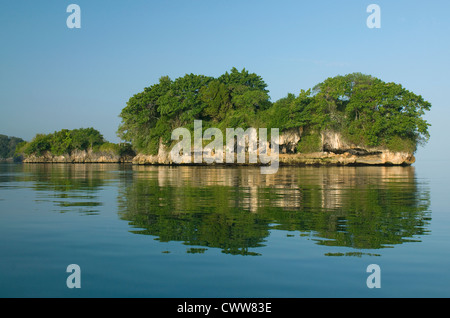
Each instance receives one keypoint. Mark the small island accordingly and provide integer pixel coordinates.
(84, 145)
(355, 119)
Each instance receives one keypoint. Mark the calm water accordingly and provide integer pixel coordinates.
(223, 232)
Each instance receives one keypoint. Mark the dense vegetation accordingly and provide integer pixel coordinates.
(8, 146)
(231, 100)
(66, 141)
(366, 110)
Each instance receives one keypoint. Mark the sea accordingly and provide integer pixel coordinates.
(130, 231)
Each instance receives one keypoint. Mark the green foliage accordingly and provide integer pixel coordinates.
(290, 112)
(39, 145)
(8, 146)
(217, 98)
(231, 100)
(62, 142)
(396, 143)
(371, 112)
(108, 147)
(85, 138)
(310, 143)
(364, 109)
(122, 149)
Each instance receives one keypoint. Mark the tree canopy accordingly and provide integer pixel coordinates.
(66, 141)
(8, 146)
(62, 142)
(371, 112)
(231, 100)
(366, 110)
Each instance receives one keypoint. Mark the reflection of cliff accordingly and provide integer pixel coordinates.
(234, 208)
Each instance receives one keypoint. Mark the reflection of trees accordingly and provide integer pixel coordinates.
(234, 208)
(64, 178)
(202, 216)
(71, 187)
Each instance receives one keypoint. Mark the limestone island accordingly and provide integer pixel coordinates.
(355, 119)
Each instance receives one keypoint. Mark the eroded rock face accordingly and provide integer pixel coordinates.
(334, 142)
(289, 140)
(163, 157)
(397, 158)
(336, 151)
(78, 156)
(346, 159)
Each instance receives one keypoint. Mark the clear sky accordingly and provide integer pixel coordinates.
(53, 77)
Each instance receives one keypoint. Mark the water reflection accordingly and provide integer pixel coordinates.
(235, 209)
(68, 187)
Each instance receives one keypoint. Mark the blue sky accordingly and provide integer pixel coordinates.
(53, 77)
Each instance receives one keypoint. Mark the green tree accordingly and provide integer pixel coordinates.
(371, 112)
(141, 115)
(62, 142)
(85, 138)
(217, 98)
(290, 112)
(231, 99)
(39, 145)
(8, 146)
(366, 110)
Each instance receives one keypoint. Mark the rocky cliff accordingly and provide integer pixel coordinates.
(330, 158)
(78, 156)
(335, 151)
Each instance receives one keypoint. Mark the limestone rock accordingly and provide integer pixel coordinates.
(77, 156)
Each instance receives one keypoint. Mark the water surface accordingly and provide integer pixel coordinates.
(146, 231)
